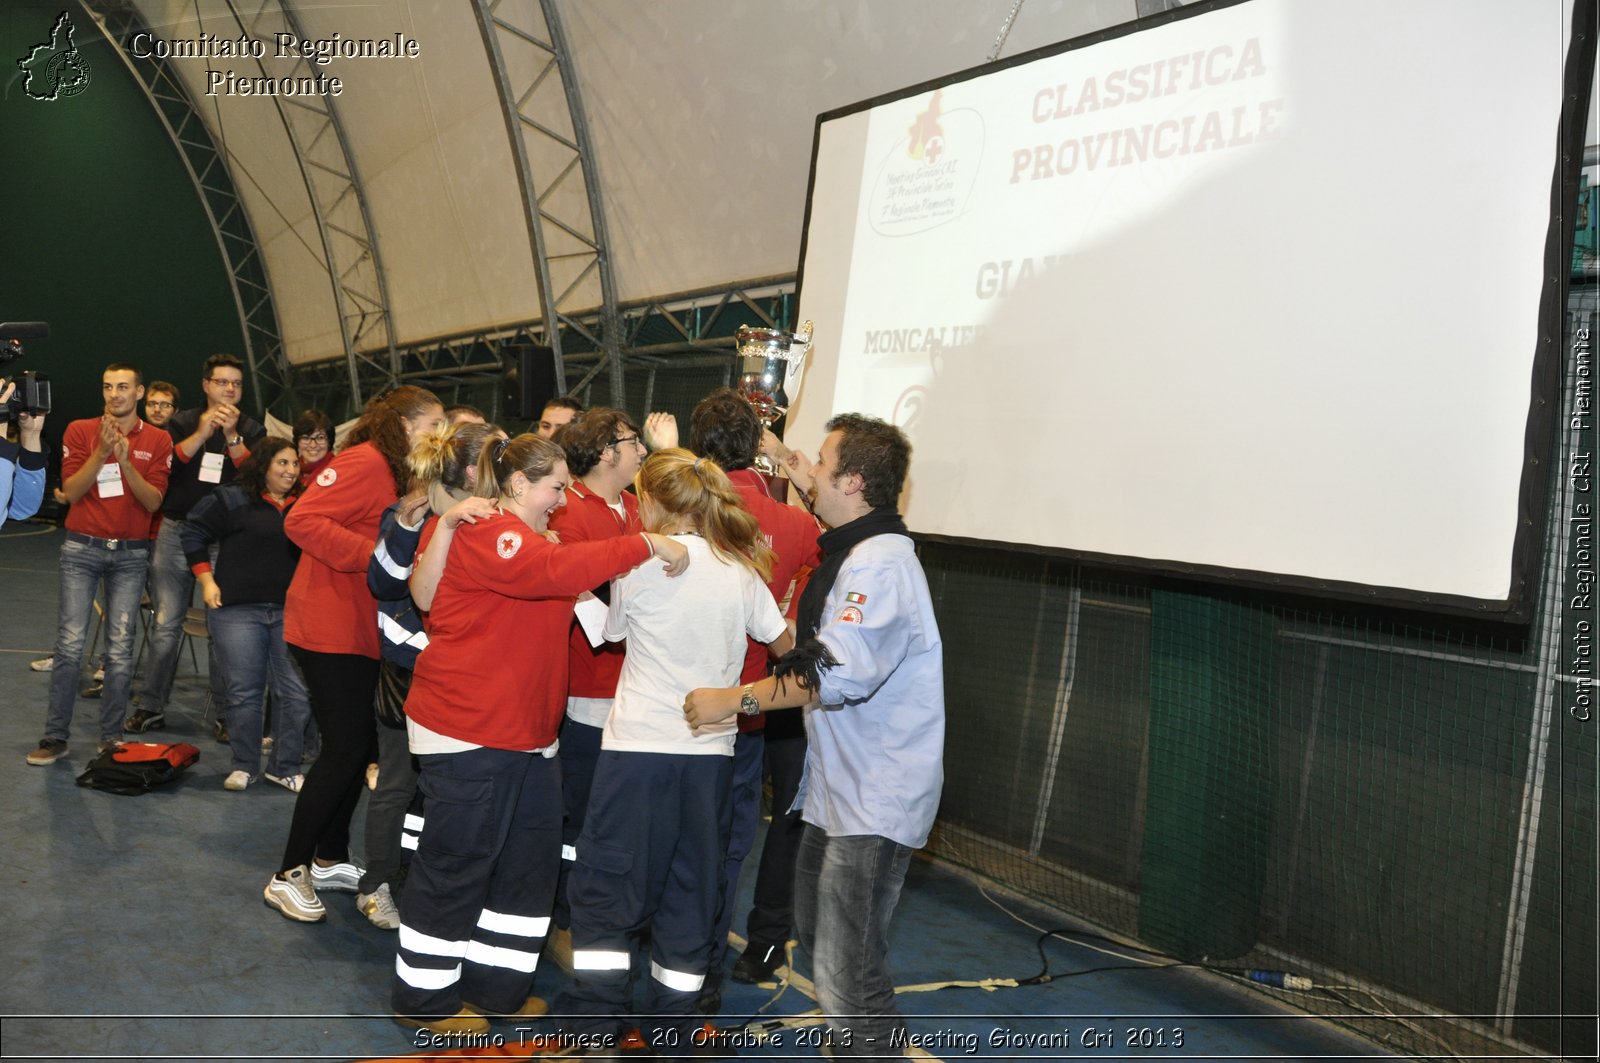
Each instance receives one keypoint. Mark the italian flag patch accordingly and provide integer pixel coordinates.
(856, 599)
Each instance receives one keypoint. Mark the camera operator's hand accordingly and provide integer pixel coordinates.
(30, 427)
(6, 389)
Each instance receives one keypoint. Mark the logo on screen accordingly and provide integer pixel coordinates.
(928, 172)
(55, 69)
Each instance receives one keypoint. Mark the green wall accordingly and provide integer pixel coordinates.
(104, 234)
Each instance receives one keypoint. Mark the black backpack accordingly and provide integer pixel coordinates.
(138, 767)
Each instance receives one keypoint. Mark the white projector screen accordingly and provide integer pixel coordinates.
(1252, 292)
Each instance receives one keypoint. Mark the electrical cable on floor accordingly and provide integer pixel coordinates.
(1282, 980)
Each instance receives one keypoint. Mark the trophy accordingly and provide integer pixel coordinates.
(765, 356)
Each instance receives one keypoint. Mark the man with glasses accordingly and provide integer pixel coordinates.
(160, 402)
(209, 445)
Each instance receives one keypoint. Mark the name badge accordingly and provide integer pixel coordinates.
(211, 469)
(108, 482)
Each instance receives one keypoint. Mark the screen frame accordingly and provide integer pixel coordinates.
(1543, 418)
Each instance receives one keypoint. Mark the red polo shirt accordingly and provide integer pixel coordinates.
(120, 516)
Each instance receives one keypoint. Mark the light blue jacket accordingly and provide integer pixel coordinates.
(21, 482)
(875, 762)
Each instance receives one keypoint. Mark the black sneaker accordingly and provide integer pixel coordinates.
(93, 690)
(709, 1002)
(50, 750)
(144, 720)
(758, 963)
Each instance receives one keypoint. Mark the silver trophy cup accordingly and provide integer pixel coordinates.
(765, 357)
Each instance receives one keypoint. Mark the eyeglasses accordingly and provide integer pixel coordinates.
(156, 405)
(222, 383)
(617, 442)
(313, 439)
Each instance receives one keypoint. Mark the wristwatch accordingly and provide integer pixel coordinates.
(235, 441)
(748, 703)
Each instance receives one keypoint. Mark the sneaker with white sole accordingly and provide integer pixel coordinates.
(43, 664)
(291, 783)
(236, 780)
(291, 894)
(50, 750)
(378, 907)
(344, 877)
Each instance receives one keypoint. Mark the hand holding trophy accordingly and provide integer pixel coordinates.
(765, 356)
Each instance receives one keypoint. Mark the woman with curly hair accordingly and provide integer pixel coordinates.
(328, 621)
(245, 593)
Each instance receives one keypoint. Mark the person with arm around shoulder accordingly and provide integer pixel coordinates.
(868, 671)
(482, 720)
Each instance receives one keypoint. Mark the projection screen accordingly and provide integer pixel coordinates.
(1254, 292)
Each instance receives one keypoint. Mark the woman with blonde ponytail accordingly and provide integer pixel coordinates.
(652, 846)
(487, 696)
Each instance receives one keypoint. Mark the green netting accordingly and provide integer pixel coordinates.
(1403, 811)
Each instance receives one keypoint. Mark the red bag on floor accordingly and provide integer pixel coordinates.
(138, 767)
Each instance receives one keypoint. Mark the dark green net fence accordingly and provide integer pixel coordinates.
(1402, 812)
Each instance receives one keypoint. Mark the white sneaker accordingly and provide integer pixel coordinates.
(378, 906)
(344, 876)
(236, 780)
(293, 896)
(43, 664)
(288, 782)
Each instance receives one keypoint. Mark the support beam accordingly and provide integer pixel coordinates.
(549, 138)
(209, 169)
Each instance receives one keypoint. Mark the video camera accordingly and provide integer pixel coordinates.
(33, 389)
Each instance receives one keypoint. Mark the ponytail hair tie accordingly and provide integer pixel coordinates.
(500, 448)
(697, 462)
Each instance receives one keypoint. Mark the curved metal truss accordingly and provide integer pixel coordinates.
(549, 137)
(270, 377)
(684, 333)
(338, 202)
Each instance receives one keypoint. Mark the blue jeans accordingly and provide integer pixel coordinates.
(845, 892)
(250, 649)
(171, 594)
(83, 566)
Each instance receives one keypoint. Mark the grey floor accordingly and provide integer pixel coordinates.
(135, 927)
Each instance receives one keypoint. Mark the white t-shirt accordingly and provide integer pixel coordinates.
(683, 632)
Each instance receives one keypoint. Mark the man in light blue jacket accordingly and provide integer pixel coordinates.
(868, 667)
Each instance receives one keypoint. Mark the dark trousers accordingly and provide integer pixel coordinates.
(476, 907)
(650, 855)
(744, 821)
(341, 687)
(580, 748)
(772, 917)
(397, 786)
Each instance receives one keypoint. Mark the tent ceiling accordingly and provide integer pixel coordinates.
(700, 114)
